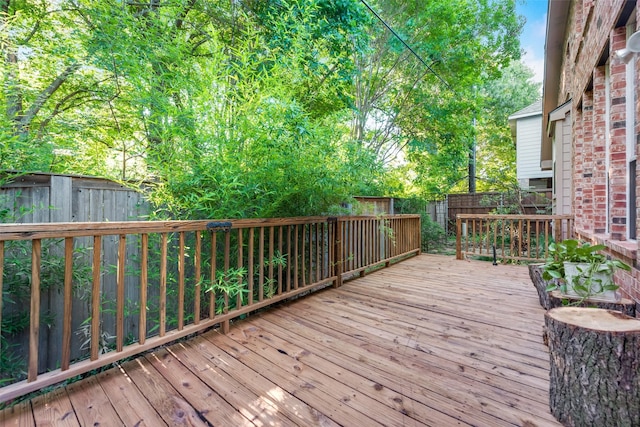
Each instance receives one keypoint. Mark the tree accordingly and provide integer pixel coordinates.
(424, 107)
(496, 160)
(249, 108)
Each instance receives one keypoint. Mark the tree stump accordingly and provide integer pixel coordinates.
(595, 367)
(535, 273)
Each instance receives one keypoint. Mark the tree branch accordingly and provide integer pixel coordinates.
(45, 95)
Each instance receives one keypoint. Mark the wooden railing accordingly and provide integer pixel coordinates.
(139, 285)
(510, 237)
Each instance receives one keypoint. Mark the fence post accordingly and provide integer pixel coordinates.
(458, 238)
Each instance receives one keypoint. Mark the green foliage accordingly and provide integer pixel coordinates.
(432, 234)
(512, 201)
(593, 279)
(244, 109)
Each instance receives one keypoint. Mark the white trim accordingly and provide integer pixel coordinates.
(560, 111)
(521, 116)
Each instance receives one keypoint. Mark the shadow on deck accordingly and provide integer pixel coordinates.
(428, 341)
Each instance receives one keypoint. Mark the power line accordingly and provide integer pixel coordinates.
(406, 44)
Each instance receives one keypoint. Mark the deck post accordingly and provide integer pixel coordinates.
(458, 238)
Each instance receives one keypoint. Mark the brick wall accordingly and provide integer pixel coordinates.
(599, 129)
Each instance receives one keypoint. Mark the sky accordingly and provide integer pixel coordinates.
(533, 34)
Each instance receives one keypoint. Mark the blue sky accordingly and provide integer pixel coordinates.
(533, 34)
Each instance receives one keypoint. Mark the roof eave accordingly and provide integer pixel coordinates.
(558, 11)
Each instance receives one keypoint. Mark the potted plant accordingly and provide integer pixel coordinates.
(579, 270)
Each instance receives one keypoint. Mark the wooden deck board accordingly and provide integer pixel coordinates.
(430, 341)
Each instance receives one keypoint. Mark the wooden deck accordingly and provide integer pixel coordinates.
(429, 341)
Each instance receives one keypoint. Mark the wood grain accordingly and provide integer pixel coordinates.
(430, 341)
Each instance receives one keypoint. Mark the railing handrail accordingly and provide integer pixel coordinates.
(319, 251)
(512, 216)
(31, 231)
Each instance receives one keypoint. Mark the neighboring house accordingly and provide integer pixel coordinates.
(591, 122)
(526, 127)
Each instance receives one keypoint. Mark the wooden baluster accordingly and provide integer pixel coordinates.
(296, 251)
(317, 253)
(288, 279)
(537, 239)
(144, 282)
(227, 262)
(458, 238)
(310, 265)
(212, 274)
(197, 289)
(364, 224)
(271, 248)
(34, 329)
(473, 235)
(359, 241)
(240, 265)
(280, 254)
(95, 298)
(163, 284)
(366, 244)
(502, 232)
(181, 259)
(122, 242)
(250, 250)
(353, 237)
(488, 236)
(376, 240)
(261, 264)
(371, 241)
(340, 241)
(303, 251)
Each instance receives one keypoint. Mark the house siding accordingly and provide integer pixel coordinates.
(528, 149)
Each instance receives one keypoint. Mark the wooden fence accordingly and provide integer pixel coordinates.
(510, 237)
(44, 197)
(531, 203)
(169, 279)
